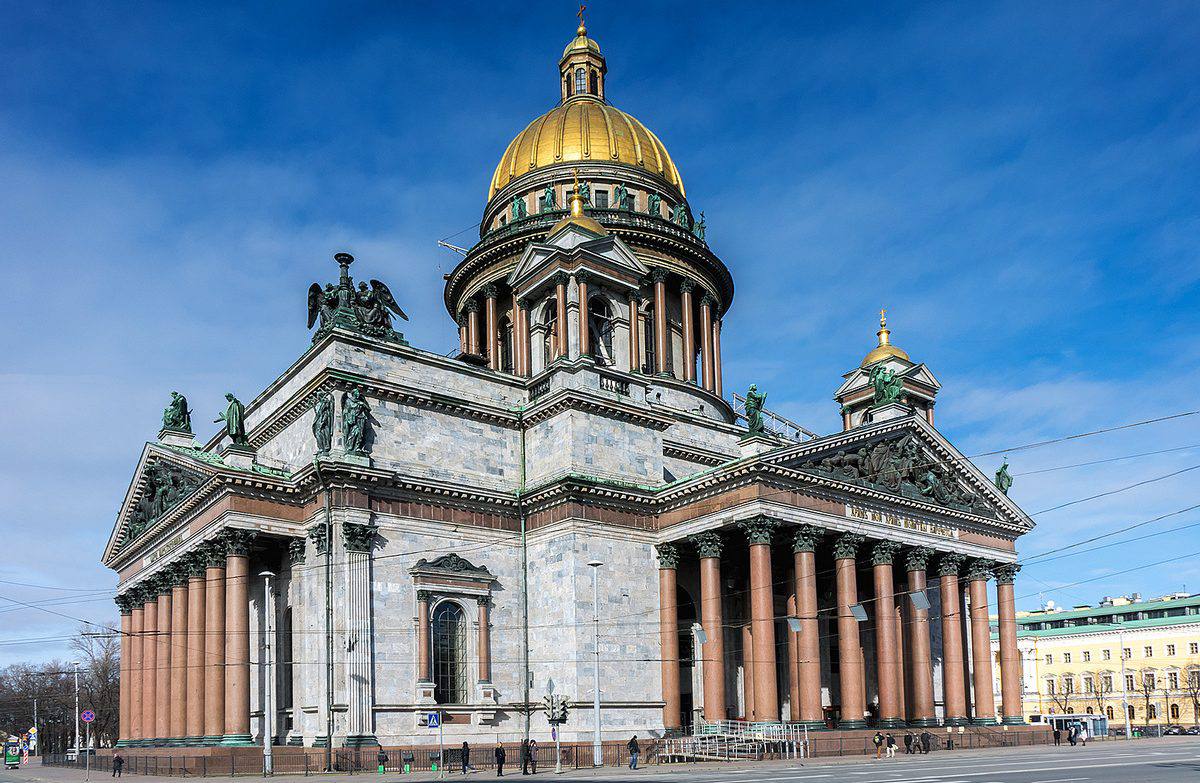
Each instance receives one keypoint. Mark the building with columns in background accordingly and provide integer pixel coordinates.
(432, 525)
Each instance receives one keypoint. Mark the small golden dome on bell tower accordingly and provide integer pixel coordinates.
(885, 349)
(582, 67)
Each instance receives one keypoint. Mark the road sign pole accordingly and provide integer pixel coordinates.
(441, 748)
(87, 765)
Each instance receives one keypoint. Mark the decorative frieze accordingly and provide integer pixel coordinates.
(805, 538)
(759, 529)
(949, 564)
(708, 544)
(845, 546)
(883, 552)
(1006, 573)
(918, 559)
(358, 537)
(668, 556)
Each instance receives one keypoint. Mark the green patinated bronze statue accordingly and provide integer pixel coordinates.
(679, 216)
(1004, 479)
(585, 193)
(886, 385)
(754, 406)
(177, 416)
(235, 420)
(621, 197)
(367, 310)
(700, 228)
(356, 420)
(549, 200)
(520, 210)
(654, 205)
(322, 426)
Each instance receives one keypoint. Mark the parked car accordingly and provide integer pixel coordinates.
(1173, 731)
(1193, 731)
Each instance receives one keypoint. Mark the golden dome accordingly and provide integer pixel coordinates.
(583, 129)
(885, 349)
(577, 217)
(581, 43)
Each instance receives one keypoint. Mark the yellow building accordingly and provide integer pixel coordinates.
(1143, 654)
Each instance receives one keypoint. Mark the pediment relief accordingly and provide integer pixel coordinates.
(860, 377)
(161, 486)
(451, 565)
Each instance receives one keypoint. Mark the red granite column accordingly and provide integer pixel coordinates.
(668, 633)
(953, 694)
(137, 618)
(712, 619)
(149, 703)
(793, 657)
(179, 648)
(920, 659)
(463, 345)
(1010, 654)
(125, 605)
(716, 338)
(762, 616)
(562, 343)
(492, 324)
(195, 562)
(635, 326)
(162, 676)
(424, 642)
(661, 343)
(850, 659)
(748, 672)
(804, 545)
(521, 335)
(471, 306)
(214, 644)
(978, 573)
(886, 641)
(901, 656)
(706, 341)
(689, 332)
(485, 638)
(237, 637)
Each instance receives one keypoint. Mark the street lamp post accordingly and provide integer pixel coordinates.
(1124, 682)
(75, 664)
(597, 751)
(268, 707)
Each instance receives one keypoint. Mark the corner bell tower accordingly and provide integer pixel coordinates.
(887, 384)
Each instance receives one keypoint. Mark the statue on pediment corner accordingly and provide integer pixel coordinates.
(235, 420)
(885, 384)
(367, 309)
(1004, 479)
(375, 307)
(176, 416)
(755, 401)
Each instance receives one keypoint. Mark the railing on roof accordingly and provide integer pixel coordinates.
(774, 423)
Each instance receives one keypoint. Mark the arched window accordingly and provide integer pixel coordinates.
(595, 83)
(1152, 712)
(567, 86)
(506, 344)
(1174, 712)
(580, 80)
(550, 320)
(1131, 715)
(1109, 712)
(449, 654)
(600, 329)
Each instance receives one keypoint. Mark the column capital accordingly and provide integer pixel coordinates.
(125, 602)
(980, 569)
(668, 556)
(845, 546)
(166, 579)
(320, 540)
(583, 276)
(490, 291)
(758, 529)
(214, 553)
(917, 559)
(637, 297)
(658, 275)
(238, 541)
(194, 563)
(296, 551)
(884, 552)
(686, 286)
(708, 300)
(1006, 573)
(462, 318)
(424, 596)
(484, 601)
(949, 563)
(523, 302)
(805, 538)
(471, 306)
(560, 278)
(358, 537)
(708, 544)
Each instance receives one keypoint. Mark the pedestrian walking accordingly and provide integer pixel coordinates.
(634, 750)
(878, 741)
(926, 738)
(1071, 736)
(466, 757)
(118, 763)
(533, 757)
(1083, 735)
(381, 759)
(499, 754)
(908, 742)
(891, 746)
(524, 757)
(1057, 735)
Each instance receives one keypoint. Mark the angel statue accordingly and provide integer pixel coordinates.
(356, 418)
(886, 385)
(754, 406)
(366, 309)
(322, 304)
(373, 306)
(177, 416)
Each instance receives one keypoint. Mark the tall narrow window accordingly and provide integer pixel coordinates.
(600, 329)
(580, 80)
(550, 319)
(449, 654)
(595, 83)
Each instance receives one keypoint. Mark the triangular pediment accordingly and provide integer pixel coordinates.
(165, 479)
(906, 458)
(608, 256)
(859, 377)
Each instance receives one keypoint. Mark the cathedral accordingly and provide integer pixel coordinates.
(570, 499)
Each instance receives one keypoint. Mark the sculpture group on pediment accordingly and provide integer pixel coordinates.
(177, 416)
(367, 309)
(900, 466)
(165, 486)
(885, 385)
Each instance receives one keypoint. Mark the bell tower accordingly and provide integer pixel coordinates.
(886, 384)
(582, 67)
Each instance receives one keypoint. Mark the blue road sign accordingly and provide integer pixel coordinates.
(433, 720)
(87, 716)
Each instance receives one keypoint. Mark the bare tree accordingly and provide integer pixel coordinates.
(1101, 688)
(99, 681)
(1191, 686)
(1147, 684)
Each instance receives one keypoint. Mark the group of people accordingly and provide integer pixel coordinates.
(1076, 732)
(913, 744)
(529, 749)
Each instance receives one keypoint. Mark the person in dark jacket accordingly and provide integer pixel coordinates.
(118, 763)
(877, 740)
(1057, 735)
(926, 738)
(634, 750)
(533, 756)
(381, 760)
(466, 757)
(524, 757)
(499, 753)
(908, 743)
(891, 746)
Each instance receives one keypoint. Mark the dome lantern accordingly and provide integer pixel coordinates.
(582, 67)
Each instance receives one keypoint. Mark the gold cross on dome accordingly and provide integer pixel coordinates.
(883, 316)
(582, 8)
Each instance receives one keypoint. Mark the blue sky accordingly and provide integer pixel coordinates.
(1015, 182)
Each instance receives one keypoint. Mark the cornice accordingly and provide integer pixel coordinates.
(691, 453)
(578, 399)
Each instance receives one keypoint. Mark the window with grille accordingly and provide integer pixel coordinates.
(600, 199)
(449, 654)
(580, 81)
(1149, 651)
(1087, 656)
(1066, 657)
(1106, 655)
